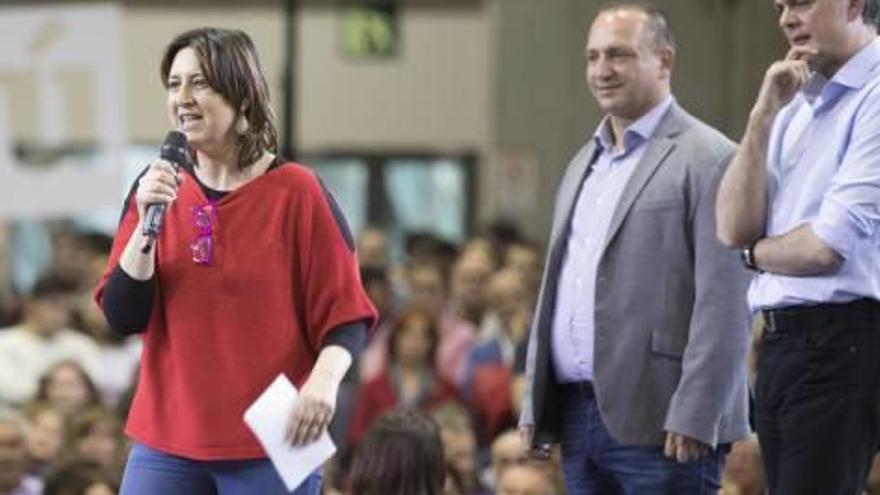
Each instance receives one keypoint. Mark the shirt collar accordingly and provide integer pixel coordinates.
(642, 128)
(854, 74)
(857, 71)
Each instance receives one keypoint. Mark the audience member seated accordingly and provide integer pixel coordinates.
(526, 478)
(96, 436)
(80, 478)
(118, 356)
(427, 292)
(71, 253)
(400, 454)
(378, 289)
(460, 445)
(409, 380)
(46, 434)
(427, 285)
(371, 361)
(490, 367)
(524, 258)
(67, 386)
(506, 450)
(13, 457)
(743, 470)
(468, 280)
(372, 248)
(42, 339)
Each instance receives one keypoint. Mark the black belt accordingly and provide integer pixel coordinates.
(584, 388)
(820, 315)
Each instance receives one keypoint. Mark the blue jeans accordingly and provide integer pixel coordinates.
(594, 463)
(149, 471)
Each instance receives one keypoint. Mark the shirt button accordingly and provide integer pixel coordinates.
(579, 281)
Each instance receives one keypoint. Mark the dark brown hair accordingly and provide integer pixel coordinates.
(230, 64)
(401, 323)
(94, 396)
(401, 454)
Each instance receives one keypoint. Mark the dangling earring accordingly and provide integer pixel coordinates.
(242, 125)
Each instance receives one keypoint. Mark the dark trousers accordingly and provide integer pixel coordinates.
(594, 463)
(818, 397)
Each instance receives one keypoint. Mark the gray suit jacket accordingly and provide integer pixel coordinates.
(671, 331)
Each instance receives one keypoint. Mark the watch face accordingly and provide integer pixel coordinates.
(748, 259)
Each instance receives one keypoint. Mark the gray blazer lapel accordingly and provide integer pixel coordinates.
(571, 187)
(659, 147)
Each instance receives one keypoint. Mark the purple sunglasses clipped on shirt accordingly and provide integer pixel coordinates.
(202, 247)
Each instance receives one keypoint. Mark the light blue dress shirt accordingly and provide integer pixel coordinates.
(573, 323)
(823, 168)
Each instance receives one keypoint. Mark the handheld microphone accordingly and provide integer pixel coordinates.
(173, 151)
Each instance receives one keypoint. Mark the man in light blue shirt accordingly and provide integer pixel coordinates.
(802, 200)
(636, 361)
(573, 319)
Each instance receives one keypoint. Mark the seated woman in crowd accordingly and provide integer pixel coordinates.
(401, 453)
(69, 387)
(409, 380)
(490, 369)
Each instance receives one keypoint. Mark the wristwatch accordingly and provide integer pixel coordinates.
(748, 257)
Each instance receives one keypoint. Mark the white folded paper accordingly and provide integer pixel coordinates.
(267, 417)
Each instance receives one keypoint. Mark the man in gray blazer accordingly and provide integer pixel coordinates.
(636, 360)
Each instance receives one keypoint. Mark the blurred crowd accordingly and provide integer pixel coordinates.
(451, 344)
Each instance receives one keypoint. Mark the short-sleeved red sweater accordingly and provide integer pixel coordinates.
(283, 274)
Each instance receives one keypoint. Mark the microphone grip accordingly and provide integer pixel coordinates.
(152, 223)
(174, 152)
(153, 218)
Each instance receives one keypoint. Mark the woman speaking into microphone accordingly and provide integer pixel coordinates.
(253, 273)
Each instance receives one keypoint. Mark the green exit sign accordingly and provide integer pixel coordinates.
(370, 31)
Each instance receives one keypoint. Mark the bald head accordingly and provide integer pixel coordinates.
(629, 57)
(656, 28)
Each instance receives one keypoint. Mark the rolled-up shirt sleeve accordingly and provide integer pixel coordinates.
(850, 209)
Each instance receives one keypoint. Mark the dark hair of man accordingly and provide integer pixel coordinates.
(401, 454)
(657, 24)
(230, 64)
